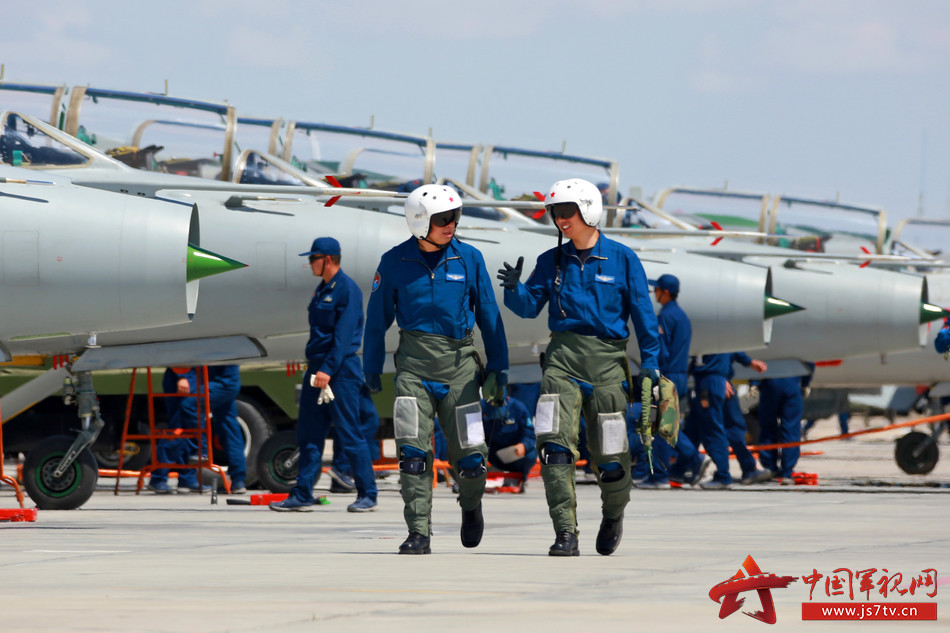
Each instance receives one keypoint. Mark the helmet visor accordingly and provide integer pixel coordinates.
(447, 217)
(563, 210)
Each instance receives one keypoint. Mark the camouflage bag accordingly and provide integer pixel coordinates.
(667, 421)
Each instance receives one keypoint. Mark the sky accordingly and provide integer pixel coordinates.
(828, 99)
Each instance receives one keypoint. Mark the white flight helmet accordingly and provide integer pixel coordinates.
(426, 201)
(584, 194)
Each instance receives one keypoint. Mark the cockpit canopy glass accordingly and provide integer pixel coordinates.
(24, 145)
(360, 157)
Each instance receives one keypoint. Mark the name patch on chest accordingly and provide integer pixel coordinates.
(454, 277)
(328, 299)
(604, 279)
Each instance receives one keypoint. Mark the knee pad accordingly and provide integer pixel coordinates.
(472, 466)
(412, 461)
(610, 472)
(554, 454)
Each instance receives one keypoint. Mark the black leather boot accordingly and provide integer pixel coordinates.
(473, 524)
(608, 538)
(565, 545)
(415, 544)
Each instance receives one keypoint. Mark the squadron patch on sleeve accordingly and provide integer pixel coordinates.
(376, 281)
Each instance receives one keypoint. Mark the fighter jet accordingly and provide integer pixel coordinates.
(260, 312)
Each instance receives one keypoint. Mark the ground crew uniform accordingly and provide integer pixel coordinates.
(336, 328)
(735, 424)
(706, 424)
(224, 385)
(675, 332)
(781, 405)
(585, 367)
(505, 426)
(179, 450)
(436, 299)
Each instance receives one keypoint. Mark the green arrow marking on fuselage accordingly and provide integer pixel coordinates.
(203, 263)
(930, 312)
(777, 307)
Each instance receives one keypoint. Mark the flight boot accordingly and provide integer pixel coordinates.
(473, 525)
(565, 545)
(415, 544)
(608, 538)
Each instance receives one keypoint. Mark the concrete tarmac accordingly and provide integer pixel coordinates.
(152, 563)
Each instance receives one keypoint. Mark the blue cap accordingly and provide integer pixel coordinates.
(667, 282)
(323, 246)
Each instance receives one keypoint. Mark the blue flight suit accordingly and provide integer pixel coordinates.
(437, 298)
(706, 424)
(590, 302)
(439, 301)
(336, 328)
(735, 424)
(506, 426)
(781, 404)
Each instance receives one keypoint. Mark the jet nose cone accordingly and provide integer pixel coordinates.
(204, 263)
(930, 312)
(777, 307)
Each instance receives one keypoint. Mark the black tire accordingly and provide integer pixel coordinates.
(273, 469)
(64, 493)
(256, 432)
(916, 464)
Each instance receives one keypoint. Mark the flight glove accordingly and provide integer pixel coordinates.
(510, 275)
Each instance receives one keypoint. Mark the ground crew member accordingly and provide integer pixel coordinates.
(437, 289)
(224, 385)
(942, 342)
(336, 328)
(735, 425)
(781, 404)
(180, 380)
(510, 438)
(593, 286)
(676, 333)
(705, 421)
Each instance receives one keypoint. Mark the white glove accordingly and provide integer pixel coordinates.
(326, 395)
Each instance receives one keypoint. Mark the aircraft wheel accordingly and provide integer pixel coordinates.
(272, 470)
(59, 493)
(916, 464)
(256, 431)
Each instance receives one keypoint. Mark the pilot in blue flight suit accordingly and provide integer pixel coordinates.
(593, 286)
(510, 437)
(336, 328)
(437, 289)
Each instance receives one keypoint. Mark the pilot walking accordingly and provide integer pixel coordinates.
(437, 289)
(331, 385)
(593, 287)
